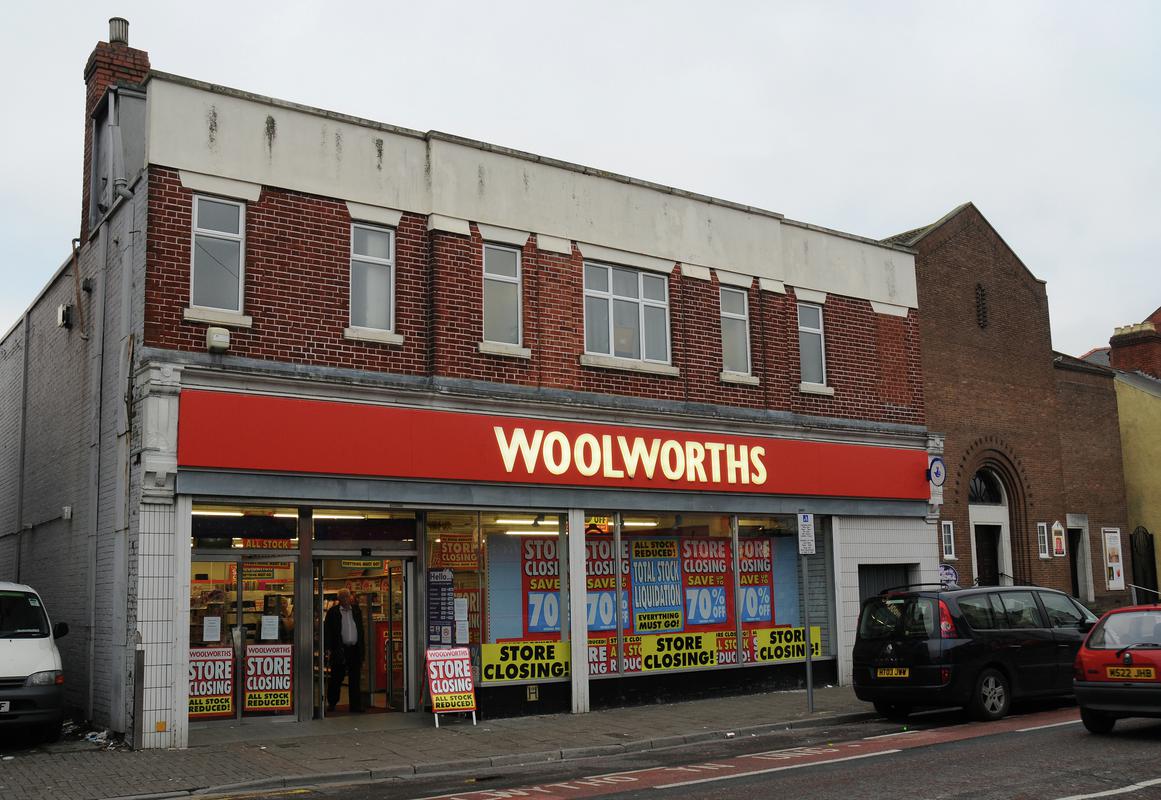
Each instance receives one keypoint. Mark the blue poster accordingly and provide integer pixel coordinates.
(655, 571)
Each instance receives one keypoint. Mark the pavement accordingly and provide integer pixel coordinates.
(346, 749)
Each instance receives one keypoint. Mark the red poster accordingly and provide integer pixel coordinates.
(756, 579)
(706, 566)
(211, 682)
(602, 655)
(454, 551)
(540, 583)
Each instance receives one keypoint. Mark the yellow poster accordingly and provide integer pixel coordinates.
(785, 644)
(679, 651)
(524, 661)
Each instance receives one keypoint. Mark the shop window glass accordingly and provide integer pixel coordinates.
(516, 573)
(365, 525)
(601, 603)
(770, 595)
(680, 587)
(238, 527)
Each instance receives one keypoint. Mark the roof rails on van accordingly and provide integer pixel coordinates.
(946, 585)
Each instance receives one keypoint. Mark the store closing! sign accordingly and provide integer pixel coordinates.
(268, 685)
(524, 661)
(211, 682)
(679, 651)
(226, 430)
(449, 680)
(786, 644)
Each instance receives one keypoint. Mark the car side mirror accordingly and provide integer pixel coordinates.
(60, 629)
(1086, 625)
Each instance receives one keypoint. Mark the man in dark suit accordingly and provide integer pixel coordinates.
(343, 630)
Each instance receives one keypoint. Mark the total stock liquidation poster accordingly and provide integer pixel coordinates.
(676, 606)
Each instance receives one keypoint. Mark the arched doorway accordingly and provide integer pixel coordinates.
(990, 526)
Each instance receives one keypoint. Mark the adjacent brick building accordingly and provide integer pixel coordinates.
(1034, 490)
(297, 351)
(1134, 352)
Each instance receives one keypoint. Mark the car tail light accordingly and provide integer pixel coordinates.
(945, 674)
(60, 679)
(1078, 670)
(946, 626)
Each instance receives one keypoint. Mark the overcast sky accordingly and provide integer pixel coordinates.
(868, 117)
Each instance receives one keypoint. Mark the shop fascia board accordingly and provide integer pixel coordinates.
(478, 397)
(412, 494)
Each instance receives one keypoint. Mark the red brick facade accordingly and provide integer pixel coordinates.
(993, 392)
(1138, 349)
(1091, 462)
(296, 291)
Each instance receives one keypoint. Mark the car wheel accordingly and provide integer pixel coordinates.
(1096, 722)
(896, 712)
(992, 696)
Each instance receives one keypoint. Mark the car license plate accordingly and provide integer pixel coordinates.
(4, 706)
(1132, 673)
(892, 672)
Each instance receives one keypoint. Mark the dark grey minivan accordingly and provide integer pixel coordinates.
(978, 648)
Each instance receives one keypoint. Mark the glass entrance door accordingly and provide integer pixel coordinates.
(362, 608)
(241, 638)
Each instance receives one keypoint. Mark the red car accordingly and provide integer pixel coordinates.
(1118, 668)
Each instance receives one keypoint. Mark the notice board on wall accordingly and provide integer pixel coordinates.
(441, 606)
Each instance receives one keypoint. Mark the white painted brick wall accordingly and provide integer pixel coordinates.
(875, 540)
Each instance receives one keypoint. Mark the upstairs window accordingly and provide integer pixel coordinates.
(626, 313)
(811, 347)
(501, 294)
(219, 246)
(735, 314)
(372, 277)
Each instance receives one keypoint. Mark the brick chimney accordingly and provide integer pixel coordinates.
(1138, 347)
(111, 63)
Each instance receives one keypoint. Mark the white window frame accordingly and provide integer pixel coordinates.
(518, 280)
(641, 302)
(947, 539)
(1043, 540)
(388, 262)
(239, 237)
(745, 318)
(821, 339)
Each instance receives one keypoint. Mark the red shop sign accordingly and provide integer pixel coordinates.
(223, 430)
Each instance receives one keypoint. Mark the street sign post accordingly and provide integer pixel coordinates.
(806, 548)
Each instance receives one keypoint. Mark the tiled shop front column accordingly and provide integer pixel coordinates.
(161, 588)
(578, 630)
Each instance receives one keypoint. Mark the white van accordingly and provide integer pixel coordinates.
(31, 680)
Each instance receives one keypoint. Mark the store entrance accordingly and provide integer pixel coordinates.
(362, 613)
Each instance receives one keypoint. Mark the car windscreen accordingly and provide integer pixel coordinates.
(894, 617)
(21, 616)
(1127, 628)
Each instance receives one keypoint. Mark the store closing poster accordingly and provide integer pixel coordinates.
(677, 606)
(268, 684)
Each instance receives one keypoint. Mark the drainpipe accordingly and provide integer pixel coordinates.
(96, 381)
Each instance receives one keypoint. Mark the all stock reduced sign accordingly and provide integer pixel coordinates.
(268, 685)
(211, 682)
(449, 680)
